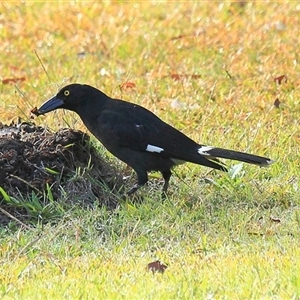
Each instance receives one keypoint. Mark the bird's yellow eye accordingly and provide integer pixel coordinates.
(66, 92)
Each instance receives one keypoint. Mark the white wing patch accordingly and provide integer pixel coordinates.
(151, 148)
(204, 149)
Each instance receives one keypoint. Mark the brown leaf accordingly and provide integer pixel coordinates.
(127, 85)
(156, 267)
(277, 103)
(255, 233)
(14, 68)
(13, 80)
(280, 79)
(275, 220)
(176, 76)
(190, 35)
(179, 37)
(34, 112)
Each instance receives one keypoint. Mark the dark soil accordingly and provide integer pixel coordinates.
(32, 158)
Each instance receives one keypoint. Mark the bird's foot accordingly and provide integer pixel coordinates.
(134, 189)
(164, 195)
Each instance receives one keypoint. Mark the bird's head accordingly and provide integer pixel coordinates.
(70, 97)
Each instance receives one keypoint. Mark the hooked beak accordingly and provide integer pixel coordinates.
(50, 105)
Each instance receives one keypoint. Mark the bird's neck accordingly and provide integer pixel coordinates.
(89, 111)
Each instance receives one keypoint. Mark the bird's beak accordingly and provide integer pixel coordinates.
(50, 105)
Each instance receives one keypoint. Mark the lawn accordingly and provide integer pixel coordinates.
(224, 73)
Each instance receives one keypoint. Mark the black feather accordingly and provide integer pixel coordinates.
(137, 136)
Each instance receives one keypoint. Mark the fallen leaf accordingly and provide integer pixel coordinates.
(14, 68)
(176, 76)
(179, 37)
(280, 79)
(193, 34)
(156, 267)
(13, 80)
(277, 103)
(255, 233)
(81, 54)
(275, 220)
(127, 85)
(35, 112)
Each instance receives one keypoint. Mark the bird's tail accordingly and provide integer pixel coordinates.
(211, 153)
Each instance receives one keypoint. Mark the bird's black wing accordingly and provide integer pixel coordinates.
(135, 127)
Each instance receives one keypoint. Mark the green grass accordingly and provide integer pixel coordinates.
(222, 236)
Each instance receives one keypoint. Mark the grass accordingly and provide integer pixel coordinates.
(222, 236)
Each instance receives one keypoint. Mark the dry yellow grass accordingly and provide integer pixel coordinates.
(208, 68)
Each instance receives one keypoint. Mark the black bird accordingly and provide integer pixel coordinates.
(137, 136)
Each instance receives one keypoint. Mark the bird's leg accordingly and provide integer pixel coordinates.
(166, 175)
(134, 189)
(142, 180)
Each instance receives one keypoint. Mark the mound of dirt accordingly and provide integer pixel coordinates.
(32, 158)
